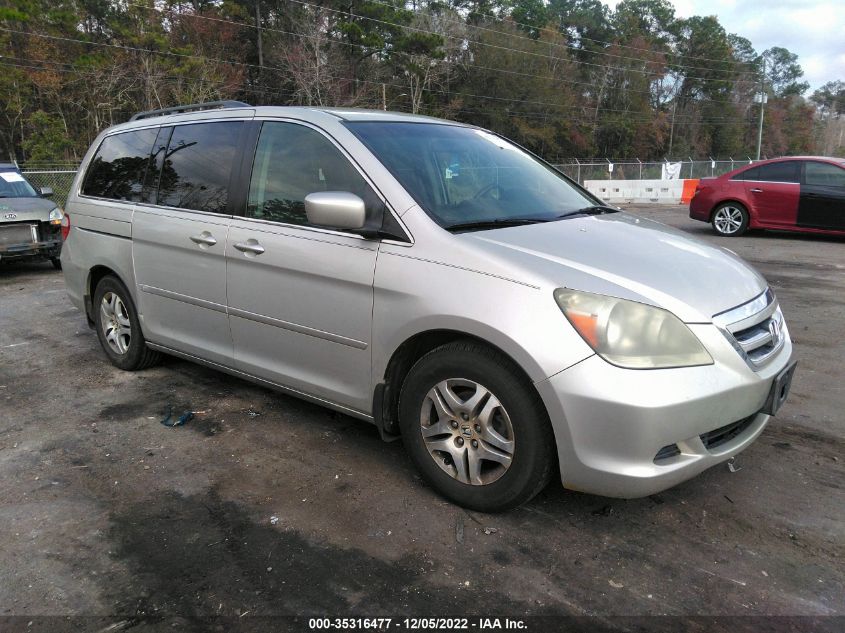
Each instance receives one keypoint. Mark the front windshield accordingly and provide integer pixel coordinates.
(463, 175)
(13, 185)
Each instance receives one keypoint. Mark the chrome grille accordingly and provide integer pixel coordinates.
(755, 329)
(761, 340)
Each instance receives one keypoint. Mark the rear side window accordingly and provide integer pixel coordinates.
(748, 174)
(197, 166)
(824, 174)
(119, 167)
(292, 161)
(787, 171)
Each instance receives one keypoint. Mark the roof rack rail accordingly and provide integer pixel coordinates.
(191, 107)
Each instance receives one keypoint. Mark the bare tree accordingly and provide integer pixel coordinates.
(314, 62)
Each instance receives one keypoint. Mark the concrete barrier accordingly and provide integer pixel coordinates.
(655, 191)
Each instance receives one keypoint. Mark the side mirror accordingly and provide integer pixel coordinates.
(46, 192)
(335, 209)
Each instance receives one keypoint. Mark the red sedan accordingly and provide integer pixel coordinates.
(800, 193)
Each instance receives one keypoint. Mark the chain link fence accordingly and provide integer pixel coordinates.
(638, 170)
(59, 178)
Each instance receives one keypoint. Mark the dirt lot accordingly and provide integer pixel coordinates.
(105, 512)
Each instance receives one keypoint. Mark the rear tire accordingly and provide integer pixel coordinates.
(730, 219)
(57, 263)
(475, 427)
(118, 327)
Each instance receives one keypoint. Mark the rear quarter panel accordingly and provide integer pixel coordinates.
(704, 200)
(100, 235)
(717, 192)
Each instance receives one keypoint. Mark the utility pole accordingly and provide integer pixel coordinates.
(383, 97)
(834, 123)
(763, 99)
(258, 29)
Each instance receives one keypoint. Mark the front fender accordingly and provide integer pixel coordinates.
(413, 296)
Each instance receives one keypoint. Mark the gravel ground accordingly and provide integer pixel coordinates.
(264, 505)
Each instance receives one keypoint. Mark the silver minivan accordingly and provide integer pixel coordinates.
(434, 279)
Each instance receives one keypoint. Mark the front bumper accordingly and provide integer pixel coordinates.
(611, 423)
(45, 243)
(42, 250)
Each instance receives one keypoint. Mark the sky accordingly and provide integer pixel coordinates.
(814, 29)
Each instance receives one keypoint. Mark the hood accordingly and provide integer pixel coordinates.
(627, 257)
(26, 209)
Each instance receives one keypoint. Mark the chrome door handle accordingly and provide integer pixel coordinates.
(246, 247)
(204, 238)
(755, 190)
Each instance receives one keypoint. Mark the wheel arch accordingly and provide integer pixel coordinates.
(95, 275)
(386, 394)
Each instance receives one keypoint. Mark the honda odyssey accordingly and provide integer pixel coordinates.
(431, 278)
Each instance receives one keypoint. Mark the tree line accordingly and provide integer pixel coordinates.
(565, 78)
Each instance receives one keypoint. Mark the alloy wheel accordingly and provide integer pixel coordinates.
(467, 431)
(728, 220)
(114, 319)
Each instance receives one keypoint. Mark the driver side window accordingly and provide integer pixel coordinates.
(292, 161)
(823, 174)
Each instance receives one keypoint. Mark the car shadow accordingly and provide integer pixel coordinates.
(794, 235)
(24, 269)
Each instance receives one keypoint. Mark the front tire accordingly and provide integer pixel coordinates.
(118, 327)
(730, 219)
(475, 428)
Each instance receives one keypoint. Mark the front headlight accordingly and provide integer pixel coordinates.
(56, 216)
(631, 334)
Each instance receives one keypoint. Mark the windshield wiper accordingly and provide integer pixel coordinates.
(598, 209)
(496, 223)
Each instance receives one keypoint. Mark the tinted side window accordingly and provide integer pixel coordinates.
(748, 174)
(118, 168)
(197, 166)
(824, 174)
(292, 161)
(788, 171)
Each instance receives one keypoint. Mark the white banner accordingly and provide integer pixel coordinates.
(671, 171)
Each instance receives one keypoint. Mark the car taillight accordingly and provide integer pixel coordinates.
(65, 226)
